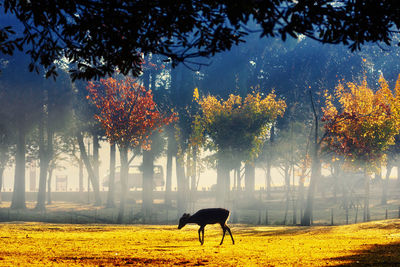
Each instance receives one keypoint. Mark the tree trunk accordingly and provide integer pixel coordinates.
(336, 173)
(49, 186)
(366, 215)
(1, 181)
(268, 179)
(44, 164)
(222, 183)
(385, 184)
(80, 164)
(193, 174)
(89, 169)
(18, 197)
(123, 151)
(287, 191)
(249, 179)
(301, 195)
(168, 182)
(148, 173)
(182, 187)
(96, 164)
(315, 172)
(45, 154)
(111, 178)
(398, 173)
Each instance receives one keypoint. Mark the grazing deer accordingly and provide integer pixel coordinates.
(207, 216)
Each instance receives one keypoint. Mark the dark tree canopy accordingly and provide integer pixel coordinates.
(100, 36)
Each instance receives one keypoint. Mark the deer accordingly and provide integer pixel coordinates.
(207, 216)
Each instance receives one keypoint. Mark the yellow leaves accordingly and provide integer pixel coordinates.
(238, 127)
(196, 95)
(36, 244)
(364, 123)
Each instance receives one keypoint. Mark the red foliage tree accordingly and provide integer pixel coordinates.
(129, 115)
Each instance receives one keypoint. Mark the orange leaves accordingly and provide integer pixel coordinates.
(126, 110)
(361, 124)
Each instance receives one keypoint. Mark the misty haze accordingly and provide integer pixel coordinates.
(281, 120)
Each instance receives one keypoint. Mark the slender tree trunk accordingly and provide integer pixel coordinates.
(366, 197)
(123, 151)
(398, 173)
(18, 197)
(385, 184)
(182, 187)
(193, 186)
(45, 152)
(287, 191)
(336, 173)
(1, 181)
(268, 179)
(111, 178)
(235, 180)
(250, 177)
(315, 172)
(301, 196)
(43, 163)
(168, 182)
(80, 164)
(96, 163)
(148, 173)
(89, 169)
(49, 186)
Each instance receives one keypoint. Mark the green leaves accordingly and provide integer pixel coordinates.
(238, 127)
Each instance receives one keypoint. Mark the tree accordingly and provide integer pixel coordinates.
(20, 106)
(237, 129)
(99, 37)
(5, 150)
(129, 115)
(86, 126)
(55, 104)
(362, 125)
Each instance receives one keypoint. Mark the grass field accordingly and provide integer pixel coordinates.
(375, 243)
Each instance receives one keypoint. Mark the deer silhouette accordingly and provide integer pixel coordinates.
(207, 216)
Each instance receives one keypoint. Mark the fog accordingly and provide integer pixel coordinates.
(39, 110)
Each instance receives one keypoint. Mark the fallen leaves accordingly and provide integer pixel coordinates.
(63, 244)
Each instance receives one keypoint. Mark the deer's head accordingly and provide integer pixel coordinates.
(183, 220)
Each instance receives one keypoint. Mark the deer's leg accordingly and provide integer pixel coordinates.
(229, 231)
(200, 236)
(223, 234)
(201, 230)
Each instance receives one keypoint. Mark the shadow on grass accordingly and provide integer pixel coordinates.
(375, 255)
(100, 261)
(116, 261)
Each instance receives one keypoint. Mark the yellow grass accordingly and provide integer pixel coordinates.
(376, 243)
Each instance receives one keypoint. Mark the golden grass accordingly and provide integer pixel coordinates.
(376, 243)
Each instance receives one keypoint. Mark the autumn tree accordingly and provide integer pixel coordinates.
(238, 128)
(361, 124)
(129, 115)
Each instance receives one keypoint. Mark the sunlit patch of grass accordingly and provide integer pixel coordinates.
(69, 245)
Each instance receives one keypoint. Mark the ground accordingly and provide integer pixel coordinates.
(375, 243)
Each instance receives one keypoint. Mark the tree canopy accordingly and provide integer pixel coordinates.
(238, 126)
(98, 37)
(362, 124)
